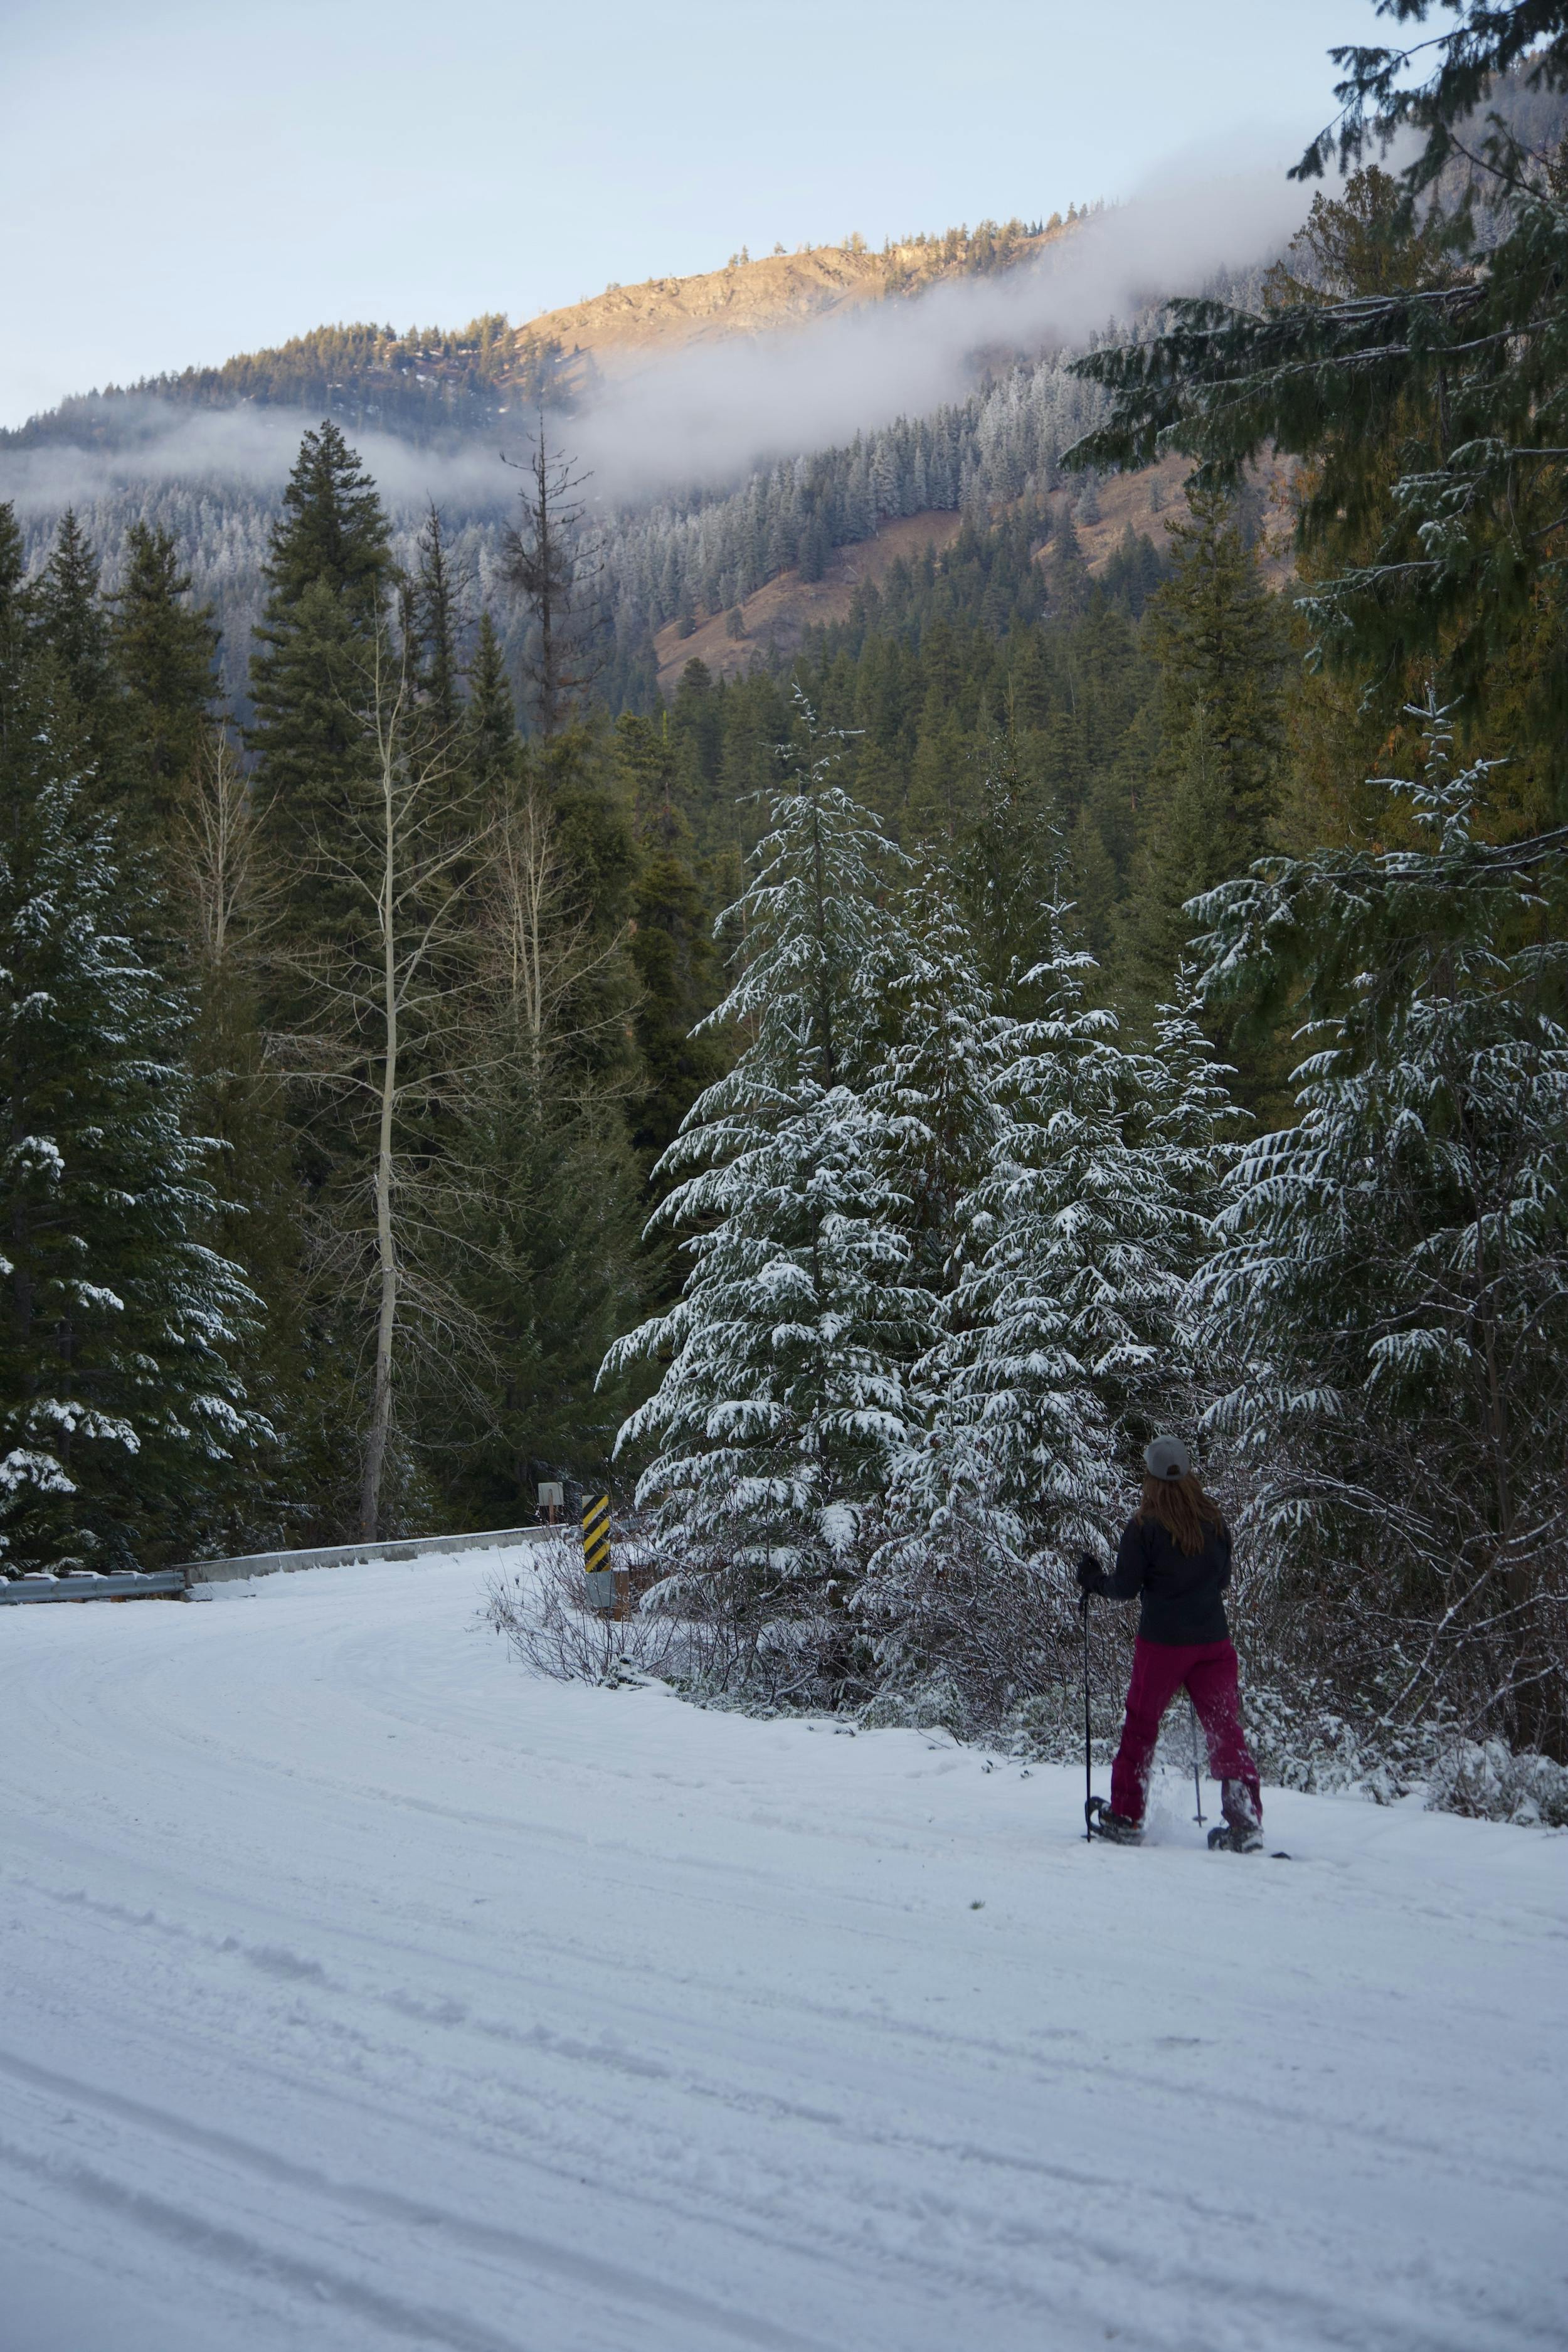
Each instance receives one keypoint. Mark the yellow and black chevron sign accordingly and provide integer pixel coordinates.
(597, 1534)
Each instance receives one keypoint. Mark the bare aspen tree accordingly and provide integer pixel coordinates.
(230, 897)
(544, 954)
(217, 859)
(541, 1198)
(392, 1032)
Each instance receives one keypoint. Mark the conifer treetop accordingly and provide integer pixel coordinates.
(333, 528)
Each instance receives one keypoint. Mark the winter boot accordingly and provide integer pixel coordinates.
(1115, 1828)
(1242, 1831)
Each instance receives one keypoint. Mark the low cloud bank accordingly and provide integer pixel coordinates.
(717, 410)
(710, 415)
(157, 441)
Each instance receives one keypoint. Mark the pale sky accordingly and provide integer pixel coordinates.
(185, 178)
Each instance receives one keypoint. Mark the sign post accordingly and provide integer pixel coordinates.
(599, 1574)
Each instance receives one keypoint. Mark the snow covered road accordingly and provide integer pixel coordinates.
(362, 1991)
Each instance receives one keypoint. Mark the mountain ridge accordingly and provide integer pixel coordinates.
(427, 379)
(776, 291)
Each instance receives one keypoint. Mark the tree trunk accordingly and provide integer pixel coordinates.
(385, 1241)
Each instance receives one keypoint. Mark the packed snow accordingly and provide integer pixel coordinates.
(363, 1991)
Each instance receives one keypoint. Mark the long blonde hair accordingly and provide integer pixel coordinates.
(1183, 1509)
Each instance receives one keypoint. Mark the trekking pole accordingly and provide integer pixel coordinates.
(1197, 1784)
(1088, 1758)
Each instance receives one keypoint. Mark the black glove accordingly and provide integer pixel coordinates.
(1090, 1573)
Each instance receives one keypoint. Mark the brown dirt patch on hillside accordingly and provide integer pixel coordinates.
(1151, 500)
(779, 614)
(778, 617)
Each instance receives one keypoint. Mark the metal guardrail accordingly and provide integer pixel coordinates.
(272, 1563)
(155, 1584)
(179, 1583)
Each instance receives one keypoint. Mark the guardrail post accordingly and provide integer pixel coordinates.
(598, 1573)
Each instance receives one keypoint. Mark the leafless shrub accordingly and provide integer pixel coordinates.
(1485, 1780)
(700, 1621)
(974, 1629)
(542, 1608)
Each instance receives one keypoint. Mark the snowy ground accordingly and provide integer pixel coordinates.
(361, 1991)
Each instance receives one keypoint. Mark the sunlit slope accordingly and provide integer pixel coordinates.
(626, 325)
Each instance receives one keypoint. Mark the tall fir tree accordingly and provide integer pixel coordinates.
(74, 625)
(671, 946)
(1003, 864)
(1220, 644)
(16, 599)
(328, 573)
(935, 1081)
(671, 952)
(594, 842)
(489, 713)
(164, 650)
(541, 1206)
(541, 1245)
(1060, 1341)
(223, 895)
(435, 598)
(783, 1401)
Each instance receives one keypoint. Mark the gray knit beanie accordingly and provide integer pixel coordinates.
(1167, 1457)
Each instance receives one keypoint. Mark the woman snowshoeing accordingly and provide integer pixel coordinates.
(1175, 1555)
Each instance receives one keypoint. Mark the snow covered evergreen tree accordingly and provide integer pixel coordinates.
(1192, 1122)
(124, 1418)
(1393, 1288)
(1061, 1338)
(783, 1401)
(1059, 1346)
(934, 1082)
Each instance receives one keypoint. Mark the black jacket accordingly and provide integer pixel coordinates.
(1181, 1591)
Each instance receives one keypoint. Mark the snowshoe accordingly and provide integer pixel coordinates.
(1241, 1832)
(1242, 1821)
(1115, 1828)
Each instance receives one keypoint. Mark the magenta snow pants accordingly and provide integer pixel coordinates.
(1159, 1670)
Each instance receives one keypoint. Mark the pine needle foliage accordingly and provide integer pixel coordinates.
(1430, 396)
(934, 1083)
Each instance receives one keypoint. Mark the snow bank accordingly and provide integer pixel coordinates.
(364, 1991)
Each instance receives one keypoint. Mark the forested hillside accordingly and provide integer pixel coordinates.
(663, 561)
(851, 1101)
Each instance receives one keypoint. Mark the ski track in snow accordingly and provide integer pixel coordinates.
(363, 1991)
